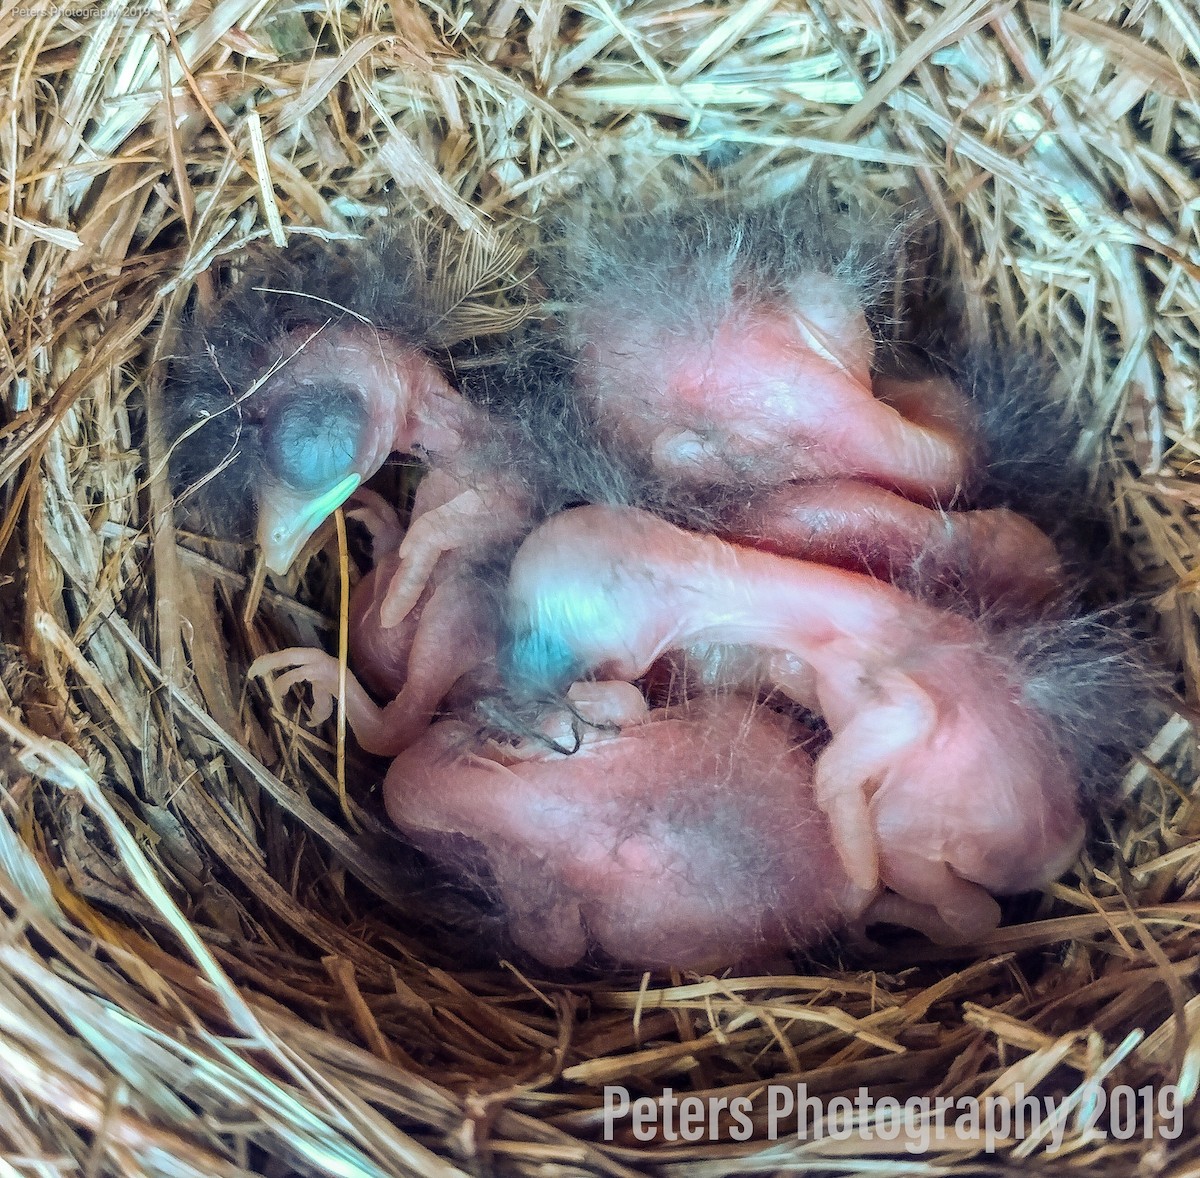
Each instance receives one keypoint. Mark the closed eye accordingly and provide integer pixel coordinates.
(312, 438)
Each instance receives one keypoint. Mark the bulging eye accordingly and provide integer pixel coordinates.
(311, 439)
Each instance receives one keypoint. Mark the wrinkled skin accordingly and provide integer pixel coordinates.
(940, 780)
(988, 558)
(437, 638)
(775, 391)
(688, 838)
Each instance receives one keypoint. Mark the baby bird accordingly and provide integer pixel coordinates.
(317, 366)
(734, 345)
(683, 837)
(947, 777)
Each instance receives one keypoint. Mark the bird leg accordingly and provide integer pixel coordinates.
(440, 530)
(974, 915)
(895, 717)
(321, 671)
(380, 519)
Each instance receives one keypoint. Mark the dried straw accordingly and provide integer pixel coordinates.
(211, 966)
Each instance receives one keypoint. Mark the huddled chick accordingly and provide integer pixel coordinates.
(719, 623)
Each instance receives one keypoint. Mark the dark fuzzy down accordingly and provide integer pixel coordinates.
(1029, 438)
(560, 454)
(1089, 677)
(684, 265)
(385, 280)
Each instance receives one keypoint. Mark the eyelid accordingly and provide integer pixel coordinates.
(312, 438)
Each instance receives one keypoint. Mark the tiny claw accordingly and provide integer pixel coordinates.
(970, 915)
(267, 664)
(968, 910)
(322, 700)
(301, 665)
(891, 908)
(853, 834)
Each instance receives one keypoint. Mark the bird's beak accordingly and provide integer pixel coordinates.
(286, 520)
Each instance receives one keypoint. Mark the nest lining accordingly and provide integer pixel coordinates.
(214, 961)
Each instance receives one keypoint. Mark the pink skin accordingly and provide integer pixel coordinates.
(446, 635)
(689, 838)
(768, 394)
(938, 781)
(411, 409)
(934, 403)
(451, 517)
(380, 656)
(452, 525)
(992, 556)
(449, 640)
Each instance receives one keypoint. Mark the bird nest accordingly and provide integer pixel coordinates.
(213, 960)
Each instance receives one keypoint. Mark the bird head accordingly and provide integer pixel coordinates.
(334, 408)
(314, 416)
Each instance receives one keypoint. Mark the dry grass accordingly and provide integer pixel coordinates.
(206, 968)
